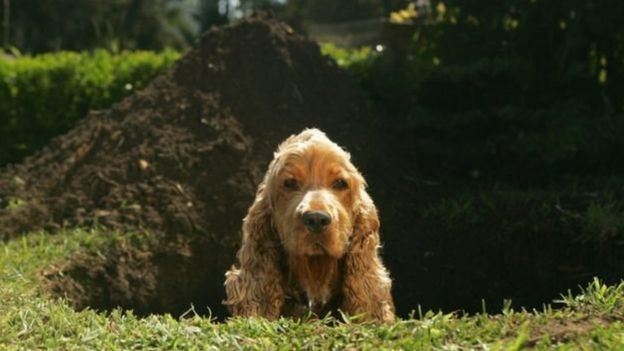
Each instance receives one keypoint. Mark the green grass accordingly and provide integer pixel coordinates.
(30, 319)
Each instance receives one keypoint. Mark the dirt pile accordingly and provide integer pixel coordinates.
(185, 154)
(181, 157)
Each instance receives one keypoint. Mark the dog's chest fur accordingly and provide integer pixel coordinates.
(317, 276)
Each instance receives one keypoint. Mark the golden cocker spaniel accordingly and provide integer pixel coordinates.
(310, 239)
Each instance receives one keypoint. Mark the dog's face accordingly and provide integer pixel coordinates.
(313, 191)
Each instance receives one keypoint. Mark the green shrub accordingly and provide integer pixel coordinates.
(43, 96)
(358, 59)
(516, 91)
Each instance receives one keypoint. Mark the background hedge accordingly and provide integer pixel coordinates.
(43, 96)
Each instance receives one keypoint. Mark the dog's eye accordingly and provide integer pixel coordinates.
(291, 184)
(340, 184)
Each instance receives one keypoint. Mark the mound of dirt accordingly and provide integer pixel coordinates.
(184, 155)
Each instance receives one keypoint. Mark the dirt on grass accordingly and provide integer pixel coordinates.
(181, 159)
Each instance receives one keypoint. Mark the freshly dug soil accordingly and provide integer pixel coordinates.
(186, 153)
(182, 157)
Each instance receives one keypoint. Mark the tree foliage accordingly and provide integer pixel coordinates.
(334, 11)
(552, 47)
(527, 52)
(50, 25)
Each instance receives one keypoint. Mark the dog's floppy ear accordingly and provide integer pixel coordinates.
(256, 288)
(366, 225)
(366, 284)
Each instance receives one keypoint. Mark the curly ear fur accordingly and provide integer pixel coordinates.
(257, 287)
(366, 284)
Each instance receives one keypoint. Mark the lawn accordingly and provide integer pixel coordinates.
(31, 319)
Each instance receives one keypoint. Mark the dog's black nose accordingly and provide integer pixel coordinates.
(316, 221)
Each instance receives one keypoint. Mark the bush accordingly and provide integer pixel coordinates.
(536, 84)
(44, 96)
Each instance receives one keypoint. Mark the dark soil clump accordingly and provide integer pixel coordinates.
(148, 276)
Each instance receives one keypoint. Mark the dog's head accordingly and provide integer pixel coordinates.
(313, 190)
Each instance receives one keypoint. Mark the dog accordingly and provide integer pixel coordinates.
(310, 239)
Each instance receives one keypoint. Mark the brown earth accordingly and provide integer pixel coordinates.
(181, 160)
(185, 154)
